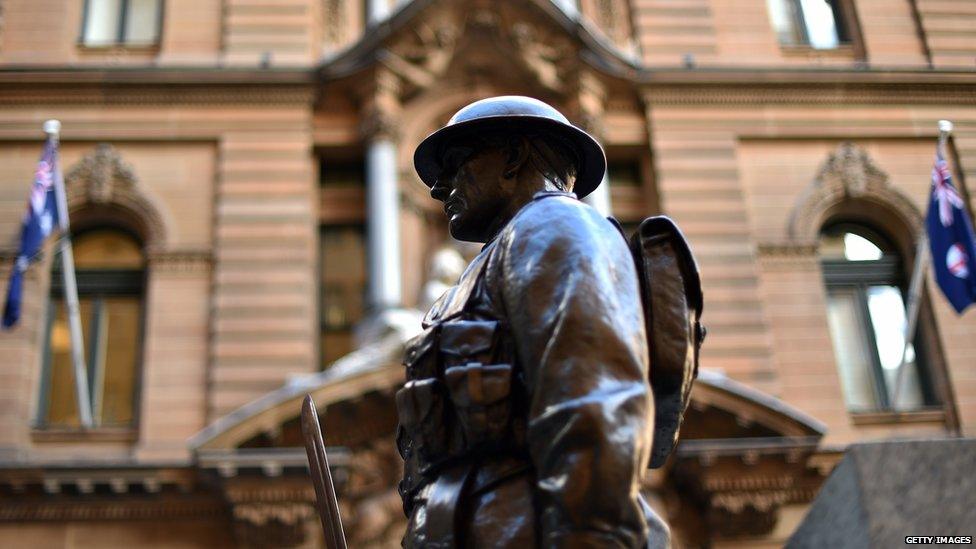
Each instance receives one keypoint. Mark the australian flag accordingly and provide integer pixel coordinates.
(951, 239)
(39, 219)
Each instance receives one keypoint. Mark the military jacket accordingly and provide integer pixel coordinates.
(526, 418)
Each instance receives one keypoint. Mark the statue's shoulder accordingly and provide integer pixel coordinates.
(557, 215)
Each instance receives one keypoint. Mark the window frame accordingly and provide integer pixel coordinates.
(97, 284)
(858, 276)
(120, 38)
(846, 23)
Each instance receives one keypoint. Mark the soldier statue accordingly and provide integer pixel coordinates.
(527, 417)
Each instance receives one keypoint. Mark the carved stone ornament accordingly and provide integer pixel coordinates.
(103, 178)
(848, 174)
(98, 174)
(852, 169)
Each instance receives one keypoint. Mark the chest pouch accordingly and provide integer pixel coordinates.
(481, 394)
(420, 405)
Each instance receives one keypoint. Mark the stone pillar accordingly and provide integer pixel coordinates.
(591, 96)
(382, 195)
(377, 11)
(383, 223)
(570, 7)
(600, 198)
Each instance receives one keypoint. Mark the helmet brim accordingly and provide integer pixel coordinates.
(592, 160)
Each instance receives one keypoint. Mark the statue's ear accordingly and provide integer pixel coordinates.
(518, 155)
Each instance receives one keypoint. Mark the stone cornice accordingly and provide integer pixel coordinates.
(196, 86)
(806, 86)
(190, 261)
(53, 74)
(137, 94)
(116, 509)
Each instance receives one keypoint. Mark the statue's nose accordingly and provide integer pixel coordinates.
(440, 191)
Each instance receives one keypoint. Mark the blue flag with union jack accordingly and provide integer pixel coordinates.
(951, 239)
(39, 219)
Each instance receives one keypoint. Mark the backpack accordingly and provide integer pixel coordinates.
(672, 300)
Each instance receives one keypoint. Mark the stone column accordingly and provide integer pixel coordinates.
(571, 7)
(600, 198)
(591, 96)
(383, 220)
(377, 11)
(382, 195)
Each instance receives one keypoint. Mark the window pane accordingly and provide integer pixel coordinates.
(888, 320)
(821, 28)
(784, 17)
(106, 249)
(858, 248)
(343, 276)
(111, 355)
(851, 243)
(851, 350)
(142, 22)
(624, 174)
(62, 407)
(121, 322)
(102, 22)
(343, 288)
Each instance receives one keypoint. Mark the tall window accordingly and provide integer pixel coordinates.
(342, 255)
(866, 313)
(109, 266)
(815, 23)
(121, 22)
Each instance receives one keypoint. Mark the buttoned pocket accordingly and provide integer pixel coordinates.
(466, 341)
(419, 356)
(482, 397)
(420, 406)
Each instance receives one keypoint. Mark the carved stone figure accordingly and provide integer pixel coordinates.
(526, 419)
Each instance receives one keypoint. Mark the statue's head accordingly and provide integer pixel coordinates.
(496, 152)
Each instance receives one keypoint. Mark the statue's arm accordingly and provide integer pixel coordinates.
(570, 291)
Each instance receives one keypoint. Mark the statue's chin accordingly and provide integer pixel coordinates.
(462, 232)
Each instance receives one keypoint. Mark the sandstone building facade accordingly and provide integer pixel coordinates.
(248, 228)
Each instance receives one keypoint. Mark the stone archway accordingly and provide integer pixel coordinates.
(103, 189)
(851, 184)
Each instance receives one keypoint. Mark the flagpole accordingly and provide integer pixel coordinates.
(83, 396)
(922, 257)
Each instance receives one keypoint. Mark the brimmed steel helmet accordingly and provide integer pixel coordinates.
(521, 115)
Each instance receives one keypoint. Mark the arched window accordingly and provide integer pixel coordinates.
(110, 271)
(866, 293)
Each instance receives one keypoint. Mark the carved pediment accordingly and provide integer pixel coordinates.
(98, 175)
(849, 168)
(849, 174)
(102, 178)
(471, 40)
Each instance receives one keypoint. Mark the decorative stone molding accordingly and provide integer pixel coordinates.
(849, 174)
(272, 525)
(122, 509)
(728, 92)
(379, 124)
(98, 175)
(102, 179)
(851, 169)
(380, 118)
(788, 255)
(180, 262)
(165, 93)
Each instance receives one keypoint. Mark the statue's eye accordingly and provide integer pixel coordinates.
(455, 157)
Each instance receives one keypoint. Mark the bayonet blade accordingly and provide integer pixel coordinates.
(318, 463)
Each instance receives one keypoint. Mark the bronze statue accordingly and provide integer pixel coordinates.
(527, 417)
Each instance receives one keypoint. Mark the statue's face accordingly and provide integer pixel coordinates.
(472, 188)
